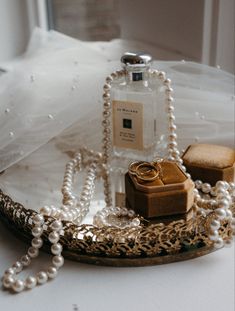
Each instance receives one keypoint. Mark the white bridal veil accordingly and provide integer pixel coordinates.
(51, 101)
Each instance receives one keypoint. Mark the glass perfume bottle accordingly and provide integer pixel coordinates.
(136, 118)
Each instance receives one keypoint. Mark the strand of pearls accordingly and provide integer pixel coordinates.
(217, 201)
(220, 204)
(10, 280)
(72, 209)
(116, 216)
(173, 152)
(75, 209)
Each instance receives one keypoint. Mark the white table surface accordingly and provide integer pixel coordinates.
(205, 284)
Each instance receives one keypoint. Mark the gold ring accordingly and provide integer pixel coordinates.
(132, 167)
(146, 171)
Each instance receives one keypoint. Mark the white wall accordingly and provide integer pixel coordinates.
(174, 25)
(225, 47)
(14, 30)
(201, 30)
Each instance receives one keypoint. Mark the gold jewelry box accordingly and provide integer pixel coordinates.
(169, 194)
(210, 163)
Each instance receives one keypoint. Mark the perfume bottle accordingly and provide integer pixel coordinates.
(136, 118)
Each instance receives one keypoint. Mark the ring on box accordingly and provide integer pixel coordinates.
(151, 174)
(144, 171)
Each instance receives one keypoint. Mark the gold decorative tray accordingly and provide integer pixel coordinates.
(140, 246)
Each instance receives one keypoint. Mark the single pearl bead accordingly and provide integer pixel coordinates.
(232, 185)
(167, 82)
(56, 249)
(107, 87)
(170, 158)
(37, 231)
(38, 220)
(198, 184)
(30, 282)
(220, 191)
(37, 242)
(219, 243)
(52, 272)
(223, 204)
(180, 161)
(45, 210)
(213, 191)
(131, 213)
(135, 222)
(58, 261)
(226, 185)
(65, 208)
(201, 212)
(197, 197)
(25, 260)
(8, 281)
(161, 75)
(57, 225)
(33, 252)
(42, 277)
(173, 127)
(219, 184)
(109, 79)
(214, 235)
(10, 271)
(17, 266)
(54, 237)
(220, 213)
(169, 90)
(215, 224)
(53, 211)
(206, 188)
(64, 215)
(18, 286)
(229, 213)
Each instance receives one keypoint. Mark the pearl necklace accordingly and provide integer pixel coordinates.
(101, 219)
(72, 210)
(218, 202)
(223, 193)
(75, 210)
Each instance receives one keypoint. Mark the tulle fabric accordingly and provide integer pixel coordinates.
(51, 103)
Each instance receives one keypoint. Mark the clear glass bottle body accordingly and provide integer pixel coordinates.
(143, 105)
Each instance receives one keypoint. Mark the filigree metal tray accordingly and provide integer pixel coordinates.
(146, 245)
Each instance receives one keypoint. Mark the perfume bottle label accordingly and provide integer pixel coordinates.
(127, 125)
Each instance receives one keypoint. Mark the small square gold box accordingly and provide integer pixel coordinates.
(171, 194)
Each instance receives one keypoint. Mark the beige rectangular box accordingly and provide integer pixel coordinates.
(210, 163)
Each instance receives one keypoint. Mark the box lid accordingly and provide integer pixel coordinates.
(172, 178)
